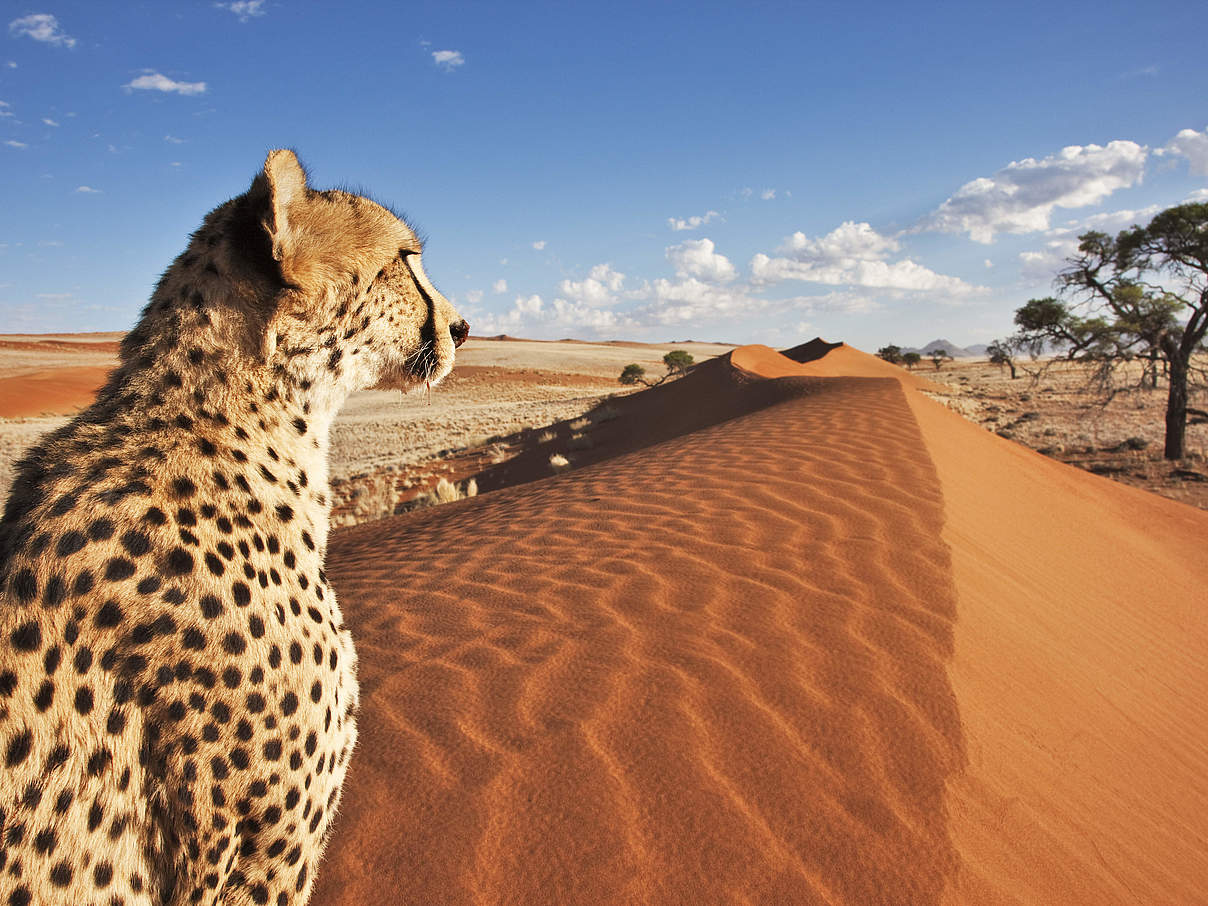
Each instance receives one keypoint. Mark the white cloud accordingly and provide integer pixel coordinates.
(499, 286)
(88, 190)
(529, 305)
(1042, 265)
(696, 258)
(853, 254)
(10, 65)
(15, 144)
(1199, 195)
(244, 9)
(539, 245)
(473, 296)
(41, 27)
(988, 263)
(597, 290)
(768, 194)
(1108, 221)
(692, 223)
(48, 121)
(1020, 197)
(4, 109)
(848, 240)
(154, 81)
(1191, 145)
(173, 140)
(448, 60)
(55, 297)
(691, 300)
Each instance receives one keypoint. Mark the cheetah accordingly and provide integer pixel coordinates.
(177, 686)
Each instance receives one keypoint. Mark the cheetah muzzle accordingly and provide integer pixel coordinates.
(177, 687)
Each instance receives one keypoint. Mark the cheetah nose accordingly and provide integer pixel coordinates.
(459, 332)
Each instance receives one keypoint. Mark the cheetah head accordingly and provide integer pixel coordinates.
(356, 309)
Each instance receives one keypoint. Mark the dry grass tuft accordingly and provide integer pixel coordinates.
(447, 492)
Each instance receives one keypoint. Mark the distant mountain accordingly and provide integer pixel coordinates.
(951, 348)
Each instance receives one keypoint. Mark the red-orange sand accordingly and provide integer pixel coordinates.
(838, 646)
(53, 391)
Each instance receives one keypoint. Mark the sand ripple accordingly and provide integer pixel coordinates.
(711, 670)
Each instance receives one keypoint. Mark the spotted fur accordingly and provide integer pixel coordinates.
(177, 686)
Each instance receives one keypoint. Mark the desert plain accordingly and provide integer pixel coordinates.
(787, 629)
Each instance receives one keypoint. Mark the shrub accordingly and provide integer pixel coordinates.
(633, 373)
(447, 492)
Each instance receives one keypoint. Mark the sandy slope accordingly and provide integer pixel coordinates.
(55, 391)
(836, 646)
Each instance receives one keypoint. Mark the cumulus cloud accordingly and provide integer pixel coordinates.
(1191, 145)
(48, 121)
(598, 290)
(539, 245)
(473, 296)
(853, 254)
(1042, 265)
(524, 311)
(697, 258)
(1108, 221)
(1020, 198)
(448, 60)
(244, 9)
(499, 286)
(154, 81)
(41, 27)
(690, 300)
(88, 190)
(16, 144)
(691, 223)
(1199, 195)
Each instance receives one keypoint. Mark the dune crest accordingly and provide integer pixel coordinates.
(815, 639)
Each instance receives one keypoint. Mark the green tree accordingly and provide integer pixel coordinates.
(939, 357)
(910, 359)
(1002, 352)
(1145, 296)
(891, 354)
(633, 373)
(678, 361)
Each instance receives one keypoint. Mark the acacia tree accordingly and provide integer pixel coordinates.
(677, 362)
(939, 357)
(891, 354)
(1002, 352)
(1146, 297)
(910, 359)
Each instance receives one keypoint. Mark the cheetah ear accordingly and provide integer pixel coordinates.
(286, 185)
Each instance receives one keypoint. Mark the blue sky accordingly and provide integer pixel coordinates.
(756, 172)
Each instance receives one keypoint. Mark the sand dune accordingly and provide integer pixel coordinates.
(780, 639)
(52, 391)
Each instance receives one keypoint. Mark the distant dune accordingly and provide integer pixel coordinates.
(53, 391)
(791, 633)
